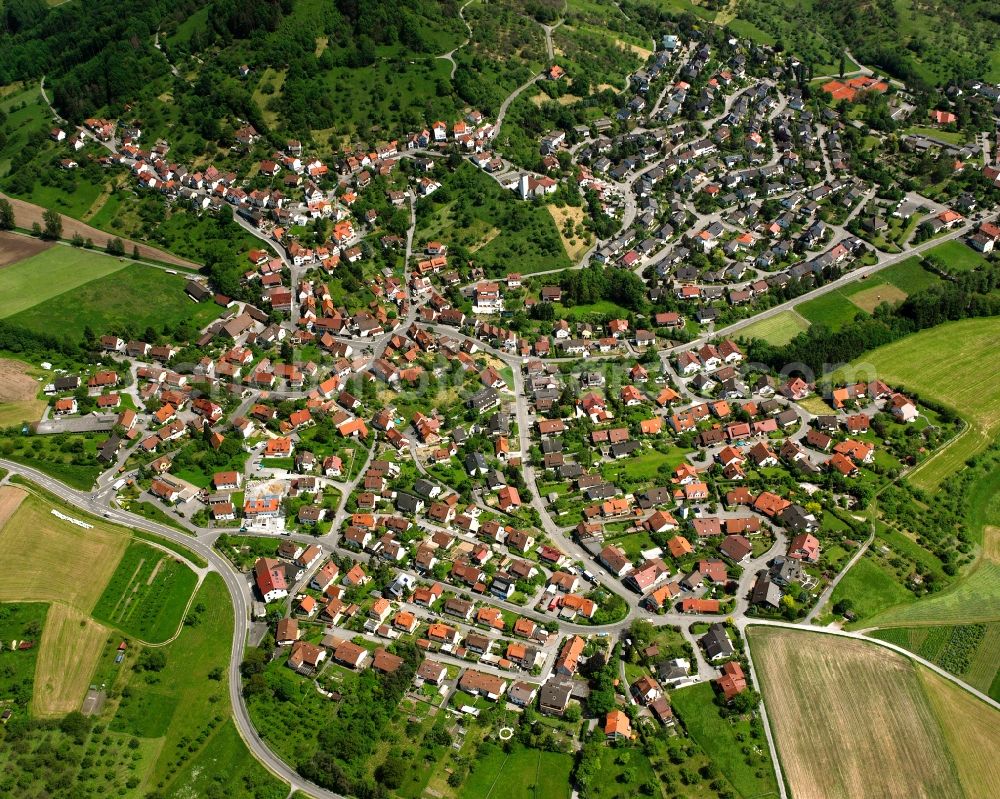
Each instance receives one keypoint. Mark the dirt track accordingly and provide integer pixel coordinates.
(26, 214)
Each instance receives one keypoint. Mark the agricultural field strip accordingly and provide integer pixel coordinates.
(859, 636)
(971, 767)
(71, 645)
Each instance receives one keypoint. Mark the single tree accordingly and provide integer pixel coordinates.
(53, 225)
(6, 215)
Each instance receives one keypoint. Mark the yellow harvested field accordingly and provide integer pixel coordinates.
(991, 543)
(71, 645)
(869, 299)
(56, 560)
(10, 499)
(575, 246)
(542, 98)
(851, 719)
(642, 52)
(972, 730)
(18, 394)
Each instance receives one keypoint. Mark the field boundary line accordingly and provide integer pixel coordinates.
(779, 775)
(496, 779)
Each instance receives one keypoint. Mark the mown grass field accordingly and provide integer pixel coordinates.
(134, 298)
(870, 298)
(975, 658)
(778, 329)
(718, 737)
(49, 552)
(853, 720)
(892, 284)
(908, 275)
(147, 594)
(971, 730)
(522, 774)
(52, 555)
(954, 364)
(48, 274)
(957, 256)
(71, 645)
(832, 309)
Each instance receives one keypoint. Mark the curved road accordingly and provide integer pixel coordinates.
(239, 593)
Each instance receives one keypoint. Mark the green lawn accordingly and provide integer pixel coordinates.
(872, 589)
(836, 309)
(74, 200)
(952, 137)
(133, 299)
(644, 466)
(778, 329)
(633, 544)
(44, 276)
(908, 276)
(832, 309)
(243, 550)
(748, 30)
(957, 256)
(523, 774)
(724, 741)
(581, 313)
(147, 595)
